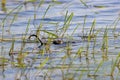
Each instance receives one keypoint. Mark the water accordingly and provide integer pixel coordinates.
(60, 63)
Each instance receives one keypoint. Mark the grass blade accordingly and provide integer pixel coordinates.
(100, 64)
(84, 3)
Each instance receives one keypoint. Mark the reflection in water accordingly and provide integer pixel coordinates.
(3, 5)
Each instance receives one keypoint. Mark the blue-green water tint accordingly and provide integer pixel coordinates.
(104, 12)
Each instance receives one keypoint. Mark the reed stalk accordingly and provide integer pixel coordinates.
(99, 65)
(105, 46)
(3, 3)
(66, 24)
(114, 65)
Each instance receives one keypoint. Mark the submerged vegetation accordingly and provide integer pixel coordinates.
(58, 53)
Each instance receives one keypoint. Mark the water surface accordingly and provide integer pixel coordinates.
(59, 65)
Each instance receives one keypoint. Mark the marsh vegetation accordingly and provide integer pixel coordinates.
(60, 40)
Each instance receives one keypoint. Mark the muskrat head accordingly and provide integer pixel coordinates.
(56, 42)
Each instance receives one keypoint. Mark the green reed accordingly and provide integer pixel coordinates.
(81, 75)
(78, 55)
(5, 19)
(20, 57)
(43, 63)
(91, 33)
(97, 68)
(3, 63)
(3, 3)
(105, 46)
(90, 36)
(18, 7)
(75, 29)
(84, 3)
(24, 37)
(94, 43)
(12, 47)
(67, 22)
(84, 25)
(114, 24)
(41, 25)
(68, 50)
(46, 11)
(41, 2)
(114, 65)
(15, 17)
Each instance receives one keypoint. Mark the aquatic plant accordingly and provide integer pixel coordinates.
(72, 58)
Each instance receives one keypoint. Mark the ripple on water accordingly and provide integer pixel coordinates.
(104, 12)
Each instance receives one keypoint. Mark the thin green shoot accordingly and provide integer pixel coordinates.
(40, 25)
(41, 2)
(38, 29)
(43, 63)
(46, 11)
(94, 44)
(3, 5)
(18, 7)
(99, 65)
(84, 3)
(104, 47)
(75, 29)
(99, 6)
(3, 21)
(91, 33)
(24, 37)
(30, 0)
(66, 15)
(79, 53)
(66, 24)
(50, 34)
(15, 16)
(84, 25)
(81, 75)
(115, 23)
(27, 29)
(12, 47)
(114, 64)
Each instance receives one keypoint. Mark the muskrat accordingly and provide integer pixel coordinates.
(56, 42)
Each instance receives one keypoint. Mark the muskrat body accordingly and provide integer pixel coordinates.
(56, 42)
